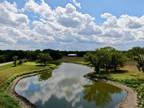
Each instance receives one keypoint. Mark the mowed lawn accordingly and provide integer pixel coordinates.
(8, 71)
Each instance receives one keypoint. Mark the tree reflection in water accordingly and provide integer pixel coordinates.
(45, 75)
(100, 93)
(66, 88)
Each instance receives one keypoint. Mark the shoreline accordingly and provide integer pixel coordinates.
(23, 102)
(130, 101)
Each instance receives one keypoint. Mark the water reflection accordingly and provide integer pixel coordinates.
(100, 93)
(45, 75)
(65, 87)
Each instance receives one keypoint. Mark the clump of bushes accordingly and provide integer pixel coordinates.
(140, 91)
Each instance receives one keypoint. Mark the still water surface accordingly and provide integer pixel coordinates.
(66, 87)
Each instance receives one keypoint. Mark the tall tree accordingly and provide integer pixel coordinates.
(44, 58)
(106, 58)
(15, 60)
(137, 53)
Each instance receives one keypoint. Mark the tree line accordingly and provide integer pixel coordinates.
(102, 59)
(7, 55)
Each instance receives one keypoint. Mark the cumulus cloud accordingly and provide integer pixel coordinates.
(65, 28)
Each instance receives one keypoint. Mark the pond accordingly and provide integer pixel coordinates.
(66, 87)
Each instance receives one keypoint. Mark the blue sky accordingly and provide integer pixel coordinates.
(96, 7)
(64, 24)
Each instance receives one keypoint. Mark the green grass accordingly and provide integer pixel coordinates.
(131, 73)
(8, 73)
(7, 102)
(77, 60)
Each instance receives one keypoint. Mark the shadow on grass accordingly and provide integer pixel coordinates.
(41, 65)
(119, 71)
(103, 74)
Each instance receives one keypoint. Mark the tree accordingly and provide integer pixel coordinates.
(137, 54)
(44, 58)
(2, 58)
(20, 62)
(106, 58)
(140, 62)
(94, 61)
(15, 60)
(55, 54)
(117, 60)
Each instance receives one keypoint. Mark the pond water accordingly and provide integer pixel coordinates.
(66, 87)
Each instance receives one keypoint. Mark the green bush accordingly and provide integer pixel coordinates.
(138, 86)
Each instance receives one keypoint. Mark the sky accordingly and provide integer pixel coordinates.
(71, 24)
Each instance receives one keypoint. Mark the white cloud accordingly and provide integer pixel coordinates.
(65, 28)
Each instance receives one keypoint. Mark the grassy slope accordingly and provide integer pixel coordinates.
(8, 72)
(131, 73)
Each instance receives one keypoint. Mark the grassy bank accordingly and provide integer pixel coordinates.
(8, 73)
(130, 76)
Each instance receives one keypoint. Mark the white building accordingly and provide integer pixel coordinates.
(72, 55)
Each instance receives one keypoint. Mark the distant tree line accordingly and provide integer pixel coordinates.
(8, 55)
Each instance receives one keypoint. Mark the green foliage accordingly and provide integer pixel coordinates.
(44, 58)
(106, 58)
(140, 62)
(7, 102)
(45, 75)
(20, 62)
(2, 58)
(15, 60)
(137, 53)
(138, 85)
(55, 54)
